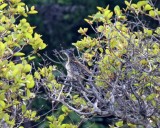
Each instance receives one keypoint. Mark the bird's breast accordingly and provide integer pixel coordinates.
(69, 70)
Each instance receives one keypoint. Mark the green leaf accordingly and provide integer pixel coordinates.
(19, 54)
(33, 114)
(132, 125)
(151, 96)
(152, 13)
(154, 103)
(33, 12)
(61, 118)
(75, 96)
(82, 31)
(31, 58)
(117, 10)
(27, 68)
(88, 21)
(134, 6)
(148, 32)
(98, 16)
(119, 123)
(106, 13)
(2, 104)
(28, 35)
(100, 8)
(3, 6)
(148, 7)
(110, 15)
(23, 108)
(65, 109)
(33, 8)
(2, 28)
(67, 126)
(28, 94)
(157, 30)
(141, 3)
(127, 3)
(51, 118)
(21, 127)
(42, 46)
(37, 75)
(15, 72)
(29, 81)
(2, 49)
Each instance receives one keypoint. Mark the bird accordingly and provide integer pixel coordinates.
(75, 69)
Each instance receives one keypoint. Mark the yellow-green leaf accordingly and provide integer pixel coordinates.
(21, 127)
(152, 13)
(65, 109)
(134, 6)
(30, 81)
(61, 118)
(37, 75)
(148, 7)
(119, 123)
(33, 114)
(19, 54)
(31, 57)
(127, 3)
(42, 46)
(82, 30)
(117, 10)
(2, 28)
(23, 108)
(2, 49)
(3, 6)
(100, 8)
(33, 8)
(110, 15)
(2, 104)
(27, 68)
(148, 32)
(151, 96)
(33, 12)
(100, 28)
(141, 3)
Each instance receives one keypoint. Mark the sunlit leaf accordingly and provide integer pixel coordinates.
(152, 13)
(3, 6)
(19, 54)
(148, 7)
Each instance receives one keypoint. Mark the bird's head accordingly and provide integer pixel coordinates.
(69, 52)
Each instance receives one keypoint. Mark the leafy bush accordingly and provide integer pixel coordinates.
(124, 58)
(16, 79)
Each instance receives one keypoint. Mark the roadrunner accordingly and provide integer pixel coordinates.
(75, 70)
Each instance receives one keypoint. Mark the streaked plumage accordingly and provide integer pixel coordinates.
(75, 70)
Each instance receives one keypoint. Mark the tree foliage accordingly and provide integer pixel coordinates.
(124, 58)
(17, 84)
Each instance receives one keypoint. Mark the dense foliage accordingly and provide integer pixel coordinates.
(17, 84)
(123, 57)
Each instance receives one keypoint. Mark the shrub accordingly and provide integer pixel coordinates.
(16, 79)
(124, 59)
